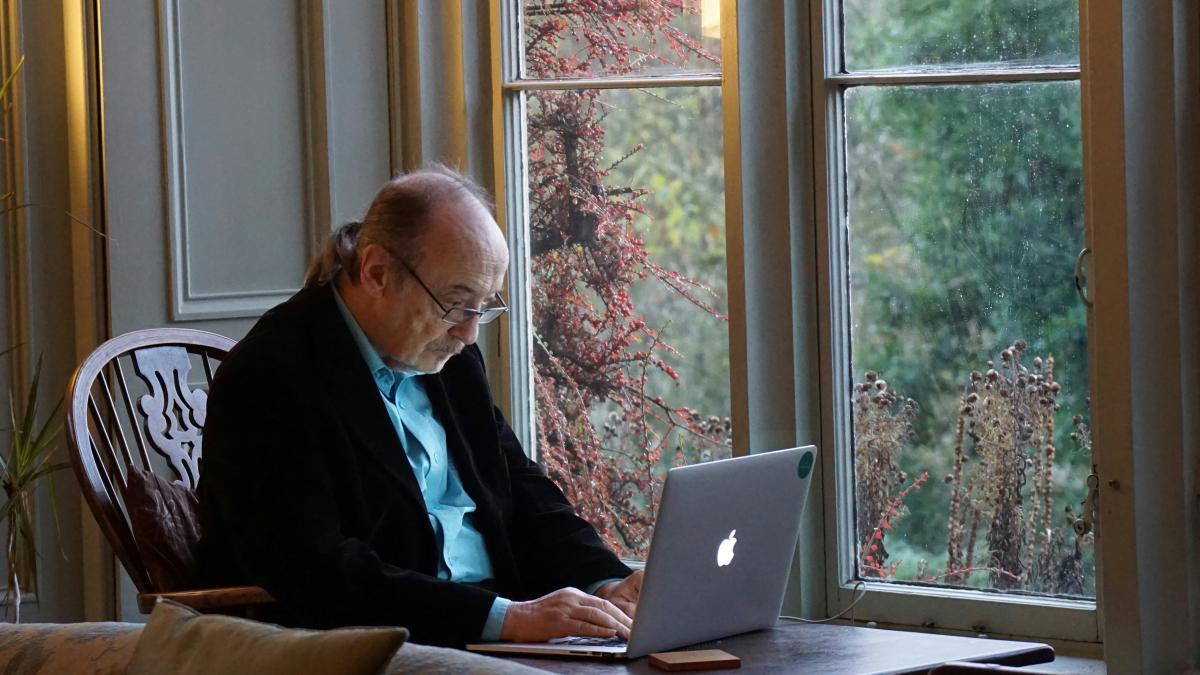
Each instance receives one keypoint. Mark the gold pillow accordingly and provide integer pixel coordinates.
(179, 641)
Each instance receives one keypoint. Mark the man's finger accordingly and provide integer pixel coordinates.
(635, 580)
(608, 607)
(584, 628)
(630, 608)
(599, 617)
(591, 622)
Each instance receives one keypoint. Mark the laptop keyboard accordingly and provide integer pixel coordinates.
(590, 641)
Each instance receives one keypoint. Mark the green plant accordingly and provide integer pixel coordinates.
(8, 196)
(31, 445)
(29, 459)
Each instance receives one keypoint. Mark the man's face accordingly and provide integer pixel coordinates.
(463, 262)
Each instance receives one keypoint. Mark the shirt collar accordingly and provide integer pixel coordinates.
(385, 378)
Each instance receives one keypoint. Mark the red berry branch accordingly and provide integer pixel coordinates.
(600, 435)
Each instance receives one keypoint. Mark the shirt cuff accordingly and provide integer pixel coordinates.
(595, 586)
(495, 620)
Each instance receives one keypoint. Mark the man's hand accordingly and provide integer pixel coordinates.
(624, 594)
(567, 611)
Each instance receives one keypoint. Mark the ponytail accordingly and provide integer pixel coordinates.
(339, 252)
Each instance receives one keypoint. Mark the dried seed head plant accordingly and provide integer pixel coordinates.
(883, 420)
(1003, 475)
(1001, 480)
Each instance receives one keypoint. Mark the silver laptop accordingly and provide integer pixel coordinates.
(719, 558)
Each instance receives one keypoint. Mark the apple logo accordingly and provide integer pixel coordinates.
(725, 550)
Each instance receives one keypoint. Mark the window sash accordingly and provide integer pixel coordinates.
(813, 590)
(900, 604)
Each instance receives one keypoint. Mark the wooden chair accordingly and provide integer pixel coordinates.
(155, 423)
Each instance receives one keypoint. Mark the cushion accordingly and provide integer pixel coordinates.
(180, 641)
(426, 660)
(94, 648)
(165, 519)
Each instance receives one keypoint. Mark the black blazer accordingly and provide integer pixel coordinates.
(305, 489)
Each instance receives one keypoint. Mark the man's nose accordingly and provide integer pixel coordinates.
(467, 332)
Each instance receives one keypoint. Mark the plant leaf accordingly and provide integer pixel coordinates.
(46, 434)
(11, 76)
(54, 508)
(31, 403)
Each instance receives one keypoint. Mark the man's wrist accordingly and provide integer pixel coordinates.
(495, 620)
(594, 587)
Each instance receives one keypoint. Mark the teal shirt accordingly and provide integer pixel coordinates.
(464, 556)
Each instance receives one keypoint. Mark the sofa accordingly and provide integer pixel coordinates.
(105, 648)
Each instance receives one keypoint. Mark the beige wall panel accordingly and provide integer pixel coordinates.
(234, 134)
(237, 156)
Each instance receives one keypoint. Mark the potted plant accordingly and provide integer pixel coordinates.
(27, 458)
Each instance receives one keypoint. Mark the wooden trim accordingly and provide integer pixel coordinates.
(572, 84)
(517, 335)
(1103, 123)
(89, 255)
(19, 252)
(735, 250)
(501, 373)
(209, 599)
(319, 203)
(16, 169)
(900, 78)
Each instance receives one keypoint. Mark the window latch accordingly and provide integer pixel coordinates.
(1082, 276)
(1086, 521)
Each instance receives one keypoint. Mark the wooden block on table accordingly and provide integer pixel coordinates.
(699, 659)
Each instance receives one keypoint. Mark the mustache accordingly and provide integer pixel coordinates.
(451, 348)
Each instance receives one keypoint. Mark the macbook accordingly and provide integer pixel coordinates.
(719, 557)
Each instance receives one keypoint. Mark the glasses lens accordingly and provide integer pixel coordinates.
(491, 314)
(458, 315)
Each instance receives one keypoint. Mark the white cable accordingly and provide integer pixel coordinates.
(859, 586)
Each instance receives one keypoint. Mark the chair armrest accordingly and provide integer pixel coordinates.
(210, 599)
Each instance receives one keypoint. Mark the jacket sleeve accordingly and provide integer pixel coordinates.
(553, 546)
(270, 506)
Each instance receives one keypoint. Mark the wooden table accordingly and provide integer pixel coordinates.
(793, 647)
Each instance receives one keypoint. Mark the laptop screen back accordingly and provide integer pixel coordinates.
(723, 543)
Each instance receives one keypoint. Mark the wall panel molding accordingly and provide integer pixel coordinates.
(187, 300)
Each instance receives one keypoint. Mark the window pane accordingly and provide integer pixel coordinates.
(627, 240)
(969, 345)
(905, 33)
(583, 38)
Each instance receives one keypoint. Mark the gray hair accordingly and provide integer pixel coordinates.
(398, 218)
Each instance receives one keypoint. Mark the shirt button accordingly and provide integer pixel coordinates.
(403, 405)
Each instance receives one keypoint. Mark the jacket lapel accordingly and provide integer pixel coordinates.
(442, 396)
(354, 396)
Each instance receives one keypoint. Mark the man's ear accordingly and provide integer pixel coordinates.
(376, 269)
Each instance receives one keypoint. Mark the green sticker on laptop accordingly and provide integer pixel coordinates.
(806, 465)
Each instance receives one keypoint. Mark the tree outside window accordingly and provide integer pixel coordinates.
(964, 216)
(627, 251)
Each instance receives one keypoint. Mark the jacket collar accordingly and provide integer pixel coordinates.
(353, 391)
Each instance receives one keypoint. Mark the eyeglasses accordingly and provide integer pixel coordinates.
(459, 315)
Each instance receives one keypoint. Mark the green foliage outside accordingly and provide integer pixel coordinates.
(680, 163)
(965, 217)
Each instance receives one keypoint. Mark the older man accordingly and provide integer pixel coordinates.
(356, 467)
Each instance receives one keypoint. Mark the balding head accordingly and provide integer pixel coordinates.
(428, 245)
(401, 214)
